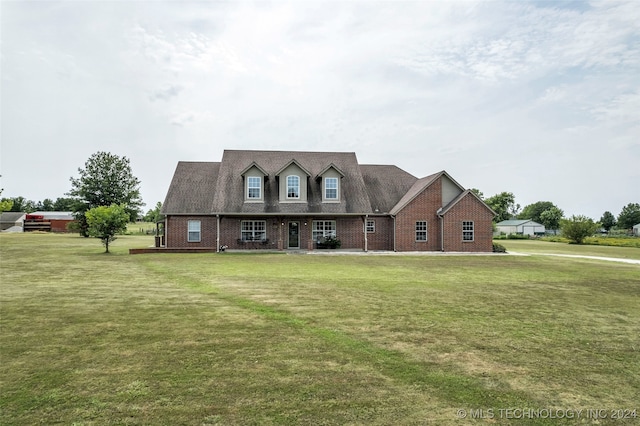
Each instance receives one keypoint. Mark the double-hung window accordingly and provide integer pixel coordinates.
(331, 188)
(323, 229)
(293, 186)
(253, 230)
(421, 230)
(254, 188)
(371, 226)
(193, 231)
(467, 230)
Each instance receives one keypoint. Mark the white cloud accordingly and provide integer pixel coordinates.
(501, 94)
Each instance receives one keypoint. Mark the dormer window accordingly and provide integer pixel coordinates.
(331, 188)
(293, 183)
(254, 188)
(330, 180)
(254, 178)
(293, 187)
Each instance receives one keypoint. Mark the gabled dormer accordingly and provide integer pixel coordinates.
(254, 178)
(330, 179)
(293, 183)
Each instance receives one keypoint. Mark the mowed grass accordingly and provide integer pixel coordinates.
(238, 338)
(546, 247)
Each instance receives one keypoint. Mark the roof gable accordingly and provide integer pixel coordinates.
(466, 193)
(420, 186)
(329, 167)
(516, 222)
(286, 166)
(251, 166)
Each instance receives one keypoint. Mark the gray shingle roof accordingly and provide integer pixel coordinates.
(218, 187)
(192, 188)
(229, 189)
(386, 185)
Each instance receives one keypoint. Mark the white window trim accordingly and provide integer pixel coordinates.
(259, 197)
(337, 188)
(421, 231)
(191, 229)
(325, 232)
(291, 186)
(253, 230)
(467, 231)
(370, 229)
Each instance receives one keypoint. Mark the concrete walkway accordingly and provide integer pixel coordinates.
(578, 256)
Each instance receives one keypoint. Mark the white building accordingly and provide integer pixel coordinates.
(520, 226)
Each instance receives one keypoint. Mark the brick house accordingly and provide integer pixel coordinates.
(301, 200)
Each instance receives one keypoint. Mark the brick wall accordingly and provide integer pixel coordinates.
(350, 229)
(468, 209)
(421, 208)
(382, 238)
(176, 232)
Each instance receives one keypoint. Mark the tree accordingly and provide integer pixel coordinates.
(629, 216)
(46, 205)
(478, 193)
(608, 221)
(551, 217)
(504, 205)
(154, 215)
(20, 204)
(64, 204)
(5, 203)
(577, 228)
(535, 210)
(106, 179)
(106, 222)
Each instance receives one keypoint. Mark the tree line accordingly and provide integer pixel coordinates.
(103, 198)
(106, 195)
(576, 227)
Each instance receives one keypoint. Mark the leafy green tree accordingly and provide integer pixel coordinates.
(551, 217)
(106, 179)
(535, 210)
(577, 228)
(154, 215)
(608, 221)
(478, 193)
(629, 216)
(106, 222)
(46, 205)
(5, 205)
(64, 204)
(21, 204)
(504, 205)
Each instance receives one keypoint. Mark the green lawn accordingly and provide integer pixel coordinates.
(536, 246)
(195, 339)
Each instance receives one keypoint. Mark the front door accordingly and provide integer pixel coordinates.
(294, 235)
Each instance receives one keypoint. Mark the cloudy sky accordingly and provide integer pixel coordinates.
(538, 98)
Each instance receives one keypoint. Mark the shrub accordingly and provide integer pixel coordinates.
(332, 243)
(577, 228)
(517, 237)
(499, 248)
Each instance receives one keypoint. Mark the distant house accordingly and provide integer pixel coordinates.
(520, 226)
(636, 230)
(11, 219)
(294, 200)
(47, 221)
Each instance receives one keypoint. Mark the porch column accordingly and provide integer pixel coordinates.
(364, 228)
